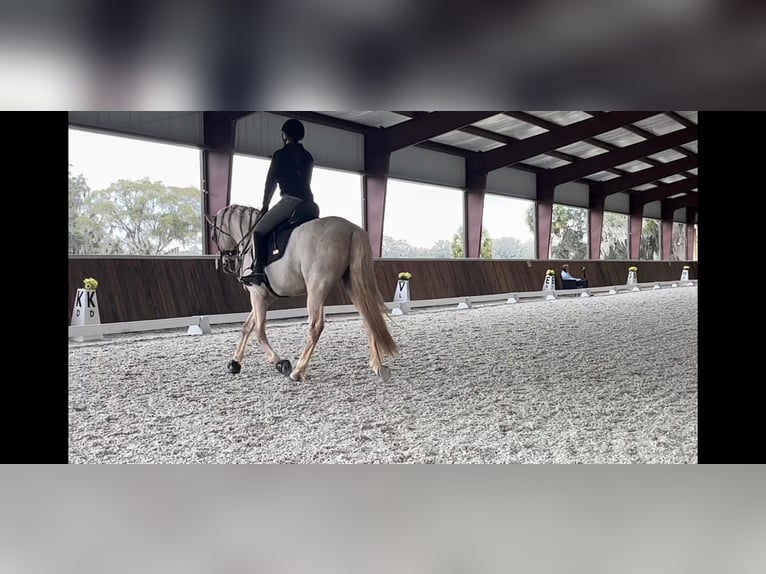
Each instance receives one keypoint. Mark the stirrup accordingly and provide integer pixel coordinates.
(255, 278)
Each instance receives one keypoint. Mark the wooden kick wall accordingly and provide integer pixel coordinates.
(143, 288)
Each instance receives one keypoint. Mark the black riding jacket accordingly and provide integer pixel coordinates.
(291, 167)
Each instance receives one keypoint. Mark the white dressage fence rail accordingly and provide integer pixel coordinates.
(200, 324)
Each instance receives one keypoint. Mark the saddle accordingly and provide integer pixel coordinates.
(276, 241)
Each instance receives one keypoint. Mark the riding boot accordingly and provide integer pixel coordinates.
(259, 254)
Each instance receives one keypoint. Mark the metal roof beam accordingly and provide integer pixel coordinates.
(565, 135)
(420, 129)
(329, 121)
(688, 200)
(666, 190)
(649, 175)
(649, 135)
(549, 125)
(623, 155)
(604, 144)
(506, 139)
(681, 119)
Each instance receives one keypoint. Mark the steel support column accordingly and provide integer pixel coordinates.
(374, 184)
(217, 154)
(666, 230)
(596, 201)
(544, 215)
(473, 211)
(636, 210)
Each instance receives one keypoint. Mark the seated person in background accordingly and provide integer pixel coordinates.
(578, 281)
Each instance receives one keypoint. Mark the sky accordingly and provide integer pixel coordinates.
(422, 214)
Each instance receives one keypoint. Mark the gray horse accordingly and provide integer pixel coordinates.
(319, 254)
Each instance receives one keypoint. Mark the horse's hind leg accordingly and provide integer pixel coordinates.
(375, 361)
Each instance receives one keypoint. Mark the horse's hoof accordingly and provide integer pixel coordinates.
(296, 376)
(384, 373)
(234, 367)
(284, 367)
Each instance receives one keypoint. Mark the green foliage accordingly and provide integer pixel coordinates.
(487, 244)
(485, 251)
(400, 248)
(136, 217)
(649, 248)
(614, 236)
(569, 229)
(678, 242)
(457, 243)
(512, 248)
(86, 233)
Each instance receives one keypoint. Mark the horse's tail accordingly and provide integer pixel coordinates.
(367, 297)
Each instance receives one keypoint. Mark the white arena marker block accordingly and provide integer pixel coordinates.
(550, 297)
(203, 328)
(674, 285)
(656, 286)
(400, 308)
(585, 294)
(85, 312)
(512, 299)
(613, 292)
(465, 304)
(402, 291)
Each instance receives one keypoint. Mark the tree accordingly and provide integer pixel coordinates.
(678, 242)
(136, 217)
(512, 248)
(649, 247)
(440, 250)
(399, 248)
(86, 232)
(458, 240)
(149, 218)
(614, 236)
(569, 228)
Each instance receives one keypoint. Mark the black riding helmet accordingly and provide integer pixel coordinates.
(293, 129)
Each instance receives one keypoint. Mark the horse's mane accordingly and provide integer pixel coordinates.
(236, 207)
(234, 221)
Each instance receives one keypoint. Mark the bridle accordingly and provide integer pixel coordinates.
(231, 259)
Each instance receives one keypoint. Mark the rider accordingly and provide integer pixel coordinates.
(291, 167)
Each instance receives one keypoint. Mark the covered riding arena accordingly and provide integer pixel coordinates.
(609, 378)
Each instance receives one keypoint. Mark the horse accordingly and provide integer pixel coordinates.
(319, 254)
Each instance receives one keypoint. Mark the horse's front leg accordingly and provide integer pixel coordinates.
(256, 321)
(235, 365)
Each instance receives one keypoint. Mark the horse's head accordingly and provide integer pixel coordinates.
(231, 231)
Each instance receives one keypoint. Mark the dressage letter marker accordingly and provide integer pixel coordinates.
(401, 296)
(402, 293)
(549, 286)
(85, 312)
